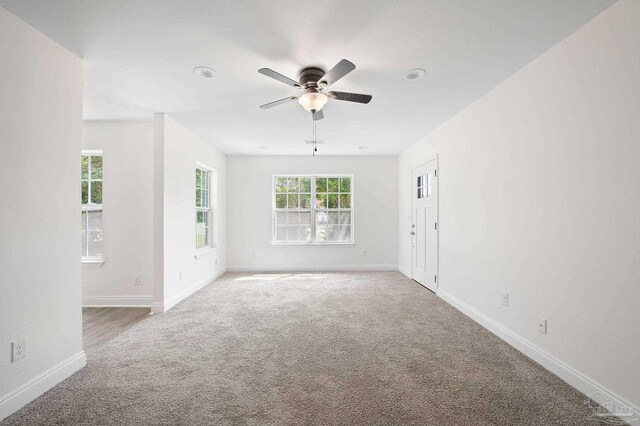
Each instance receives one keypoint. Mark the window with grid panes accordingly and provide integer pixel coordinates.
(91, 196)
(203, 208)
(314, 209)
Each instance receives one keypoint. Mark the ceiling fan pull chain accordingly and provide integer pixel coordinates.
(315, 141)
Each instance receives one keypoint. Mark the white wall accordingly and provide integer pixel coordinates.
(250, 214)
(127, 214)
(182, 150)
(539, 198)
(40, 142)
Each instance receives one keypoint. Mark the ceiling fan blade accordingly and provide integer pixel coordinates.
(277, 76)
(341, 69)
(278, 102)
(350, 97)
(318, 115)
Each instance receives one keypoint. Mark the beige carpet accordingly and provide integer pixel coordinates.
(322, 348)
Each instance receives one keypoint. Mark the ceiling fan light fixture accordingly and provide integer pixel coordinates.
(313, 101)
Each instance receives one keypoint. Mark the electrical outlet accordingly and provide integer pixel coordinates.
(505, 299)
(216, 262)
(18, 349)
(364, 253)
(180, 275)
(137, 280)
(542, 325)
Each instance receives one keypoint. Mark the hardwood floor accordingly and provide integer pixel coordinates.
(99, 325)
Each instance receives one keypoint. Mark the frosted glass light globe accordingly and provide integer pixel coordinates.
(313, 101)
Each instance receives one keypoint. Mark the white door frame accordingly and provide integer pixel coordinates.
(437, 210)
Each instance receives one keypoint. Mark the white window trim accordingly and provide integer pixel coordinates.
(313, 211)
(213, 177)
(93, 260)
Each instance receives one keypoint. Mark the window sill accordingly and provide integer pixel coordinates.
(202, 252)
(277, 243)
(97, 262)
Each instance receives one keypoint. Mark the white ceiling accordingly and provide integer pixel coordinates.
(140, 54)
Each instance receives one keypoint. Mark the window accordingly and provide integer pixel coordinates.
(203, 208)
(424, 186)
(91, 181)
(313, 209)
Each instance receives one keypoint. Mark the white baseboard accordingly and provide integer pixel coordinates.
(406, 272)
(311, 268)
(117, 301)
(574, 378)
(162, 307)
(13, 401)
(157, 308)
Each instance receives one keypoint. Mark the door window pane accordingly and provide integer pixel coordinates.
(424, 186)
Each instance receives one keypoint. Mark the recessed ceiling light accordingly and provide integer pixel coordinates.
(204, 72)
(362, 147)
(263, 147)
(415, 74)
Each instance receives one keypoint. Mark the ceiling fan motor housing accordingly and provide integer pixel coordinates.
(310, 76)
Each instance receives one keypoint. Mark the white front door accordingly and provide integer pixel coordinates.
(424, 225)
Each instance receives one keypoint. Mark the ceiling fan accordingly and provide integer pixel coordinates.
(313, 82)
